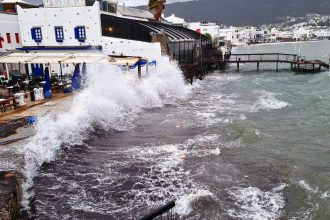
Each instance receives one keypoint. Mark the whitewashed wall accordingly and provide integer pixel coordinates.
(68, 17)
(9, 24)
(116, 46)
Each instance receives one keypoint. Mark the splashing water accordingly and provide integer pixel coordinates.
(111, 100)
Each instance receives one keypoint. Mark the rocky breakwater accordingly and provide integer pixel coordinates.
(10, 195)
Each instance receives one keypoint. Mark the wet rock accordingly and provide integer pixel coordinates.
(8, 128)
(10, 195)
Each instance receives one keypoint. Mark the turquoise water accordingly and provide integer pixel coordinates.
(246, 145)
(294, 138)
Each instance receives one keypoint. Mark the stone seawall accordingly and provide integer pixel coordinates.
(10, 195)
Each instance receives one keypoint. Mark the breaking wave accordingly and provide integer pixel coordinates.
(269, 101)
(254, 203)
(111, 100)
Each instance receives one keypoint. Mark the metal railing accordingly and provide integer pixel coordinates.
(272, 57)
(164, 213)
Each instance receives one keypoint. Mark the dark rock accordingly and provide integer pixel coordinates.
(10, 195)
(10, 127)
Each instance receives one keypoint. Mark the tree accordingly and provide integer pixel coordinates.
(157, 7)
(208, 36)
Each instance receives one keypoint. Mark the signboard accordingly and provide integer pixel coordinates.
(63, 3)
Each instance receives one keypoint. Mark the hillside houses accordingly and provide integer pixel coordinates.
(251, 35)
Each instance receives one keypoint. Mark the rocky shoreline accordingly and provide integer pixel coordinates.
(10, 181)
(10, 194)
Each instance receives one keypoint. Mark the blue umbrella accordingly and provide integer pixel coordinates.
(76, 78)
(84, 74)
(48, 85)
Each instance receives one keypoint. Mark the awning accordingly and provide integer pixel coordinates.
(66, 58)
(124, 60)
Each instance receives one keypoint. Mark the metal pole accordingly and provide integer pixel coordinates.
(258, 66)
(61, 70)
(7, 69)
(139, 69)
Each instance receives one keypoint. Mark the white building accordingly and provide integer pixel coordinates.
(205, 28)
(323, 34)
(77, 26)
(302, 34)
(176, 21)
(10, 37)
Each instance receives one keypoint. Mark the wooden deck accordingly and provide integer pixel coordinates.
(297, 63)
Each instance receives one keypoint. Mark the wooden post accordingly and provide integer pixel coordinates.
(291, 66)
(257, 66)
(276, 66)
(139, 69)
(313, 67)
(237, 66)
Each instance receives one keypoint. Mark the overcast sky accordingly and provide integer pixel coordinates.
(145, 2)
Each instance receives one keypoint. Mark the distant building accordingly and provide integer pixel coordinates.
(176, 21)
(206, 28)
(302, 34)
(323, 34)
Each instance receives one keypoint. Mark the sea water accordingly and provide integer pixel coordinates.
(237, 145)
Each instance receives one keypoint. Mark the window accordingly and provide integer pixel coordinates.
(80, 33)
(17, 38)
(36, 34)
(59, 34)
(8, 38)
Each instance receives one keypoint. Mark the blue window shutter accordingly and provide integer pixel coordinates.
(36, 34)
(76, 33)
(80, 33)
(33, 33)
(59, 34)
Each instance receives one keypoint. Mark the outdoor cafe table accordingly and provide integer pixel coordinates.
(38, 94)
(21, 98)
(10, 89)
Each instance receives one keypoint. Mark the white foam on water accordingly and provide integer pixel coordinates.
(253, 203)
(216, 151)
(325, 195)
(111, 100)
(269, 101)
(184, 204)
(303, 184)
(165, 179)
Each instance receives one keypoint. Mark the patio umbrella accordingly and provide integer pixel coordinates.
(76, 78)
(84, 75)
(48, 85)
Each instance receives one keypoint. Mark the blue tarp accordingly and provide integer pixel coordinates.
(76, 78)
(142, 63)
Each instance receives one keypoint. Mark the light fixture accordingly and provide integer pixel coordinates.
(110, 29)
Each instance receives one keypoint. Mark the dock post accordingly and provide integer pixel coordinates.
(237, 66)
(276, 66)
(257, 66)
(139, 69)
(291, 66)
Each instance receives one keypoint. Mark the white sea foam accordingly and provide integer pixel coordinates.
(307, 187)
(111, 100)
(268, 100)
(253, 203)
(184, 203)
